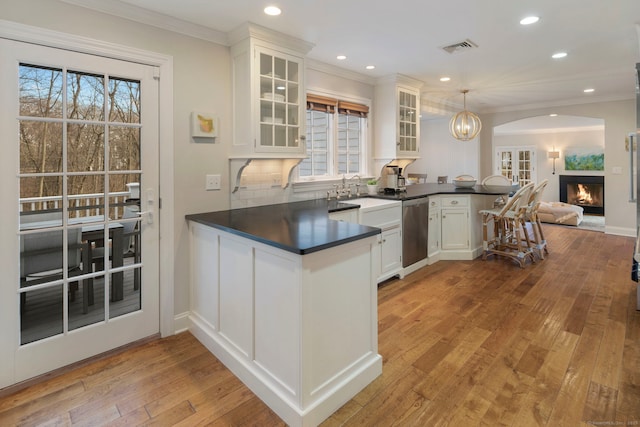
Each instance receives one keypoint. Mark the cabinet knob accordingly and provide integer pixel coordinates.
(454, 202)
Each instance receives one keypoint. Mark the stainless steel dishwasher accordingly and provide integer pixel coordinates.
(415, 229)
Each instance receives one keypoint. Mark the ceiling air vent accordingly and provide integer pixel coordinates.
(460, 47)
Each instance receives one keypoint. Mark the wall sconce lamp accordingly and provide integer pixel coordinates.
(554, 155)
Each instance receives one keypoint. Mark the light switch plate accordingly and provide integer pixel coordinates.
(213, 182)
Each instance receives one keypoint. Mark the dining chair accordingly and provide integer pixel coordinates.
(498, 180)
(41, 259)
(130, 244)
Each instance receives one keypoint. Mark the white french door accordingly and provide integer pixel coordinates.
(79, 227)
(516, 163)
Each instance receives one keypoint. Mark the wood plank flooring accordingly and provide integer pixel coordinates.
(464, 343)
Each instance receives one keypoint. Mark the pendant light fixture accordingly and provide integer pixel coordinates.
(465, 125)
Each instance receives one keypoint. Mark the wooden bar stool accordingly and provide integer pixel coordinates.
(531, 217)
(508, 236)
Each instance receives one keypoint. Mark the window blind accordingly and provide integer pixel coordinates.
(352, 109)
(329, 105)
(321, 103)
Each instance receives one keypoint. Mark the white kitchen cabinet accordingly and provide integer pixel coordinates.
(258, 308)
(455, 222)
(397, 118)
(433, 237)
(268, 94)
(390, 253)
(461, 225)
(455, 228)
(386, 215)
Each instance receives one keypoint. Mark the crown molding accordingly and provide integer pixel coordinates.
(560, 103)
(255, 31)
(596, 128)
(323, 67)
(401, 79)
(155, 19)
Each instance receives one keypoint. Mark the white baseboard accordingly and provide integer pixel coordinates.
(620, 231)
(181, 322)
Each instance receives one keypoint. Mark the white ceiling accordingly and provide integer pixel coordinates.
(511, 68)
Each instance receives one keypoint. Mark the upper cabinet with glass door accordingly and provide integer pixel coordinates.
(269, 96)
(280, 104)
(397, 118)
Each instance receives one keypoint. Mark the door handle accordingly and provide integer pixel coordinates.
(150, 202)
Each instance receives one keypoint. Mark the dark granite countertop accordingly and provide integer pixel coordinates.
(305, 227)
(416, 191)
(299, 227)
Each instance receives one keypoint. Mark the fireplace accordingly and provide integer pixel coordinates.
(585, 191)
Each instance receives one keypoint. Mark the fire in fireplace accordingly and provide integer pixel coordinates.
(585, 191)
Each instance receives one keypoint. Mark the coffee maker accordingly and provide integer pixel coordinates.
(392, 179)
(395, 181)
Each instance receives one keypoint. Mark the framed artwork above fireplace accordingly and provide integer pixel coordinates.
(584, 159)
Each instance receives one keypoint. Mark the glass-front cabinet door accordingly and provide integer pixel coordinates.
(280, 97)
(407, 121)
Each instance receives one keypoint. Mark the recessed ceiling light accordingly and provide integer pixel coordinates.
(272, 10)
(370, 67)
(341, 57)
(589, 90)
(445, 79)
(559, 55)
(529, 20)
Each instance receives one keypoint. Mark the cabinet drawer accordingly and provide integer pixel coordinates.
(454, 201)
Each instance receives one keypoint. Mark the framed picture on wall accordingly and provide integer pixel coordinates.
(584, 159)
(203, 125)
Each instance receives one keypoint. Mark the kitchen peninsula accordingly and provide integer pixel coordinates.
(286, 298)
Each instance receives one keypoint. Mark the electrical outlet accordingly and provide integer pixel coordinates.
(213, 182)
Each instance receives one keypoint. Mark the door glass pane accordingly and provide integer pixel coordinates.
(292, 75)
(124, 148)
(41, 194)
(40, 147)
(266, 67)
(85, 96)
(266, 136)
(41, 314)
(279, 68)
(86, 197)
(85, 147)
(280, 136)
(40, 91)
(124, 100)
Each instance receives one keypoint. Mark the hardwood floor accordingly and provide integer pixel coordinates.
(464, 343)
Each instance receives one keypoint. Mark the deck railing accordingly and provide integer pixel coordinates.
(82, 204)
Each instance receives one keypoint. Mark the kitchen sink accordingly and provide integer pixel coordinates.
(368, 203)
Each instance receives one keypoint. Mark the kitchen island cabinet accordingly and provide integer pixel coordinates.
(274, 297)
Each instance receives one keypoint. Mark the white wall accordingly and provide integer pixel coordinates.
(201, 82)
(443, 155)
(545, 142)
(619, 119)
